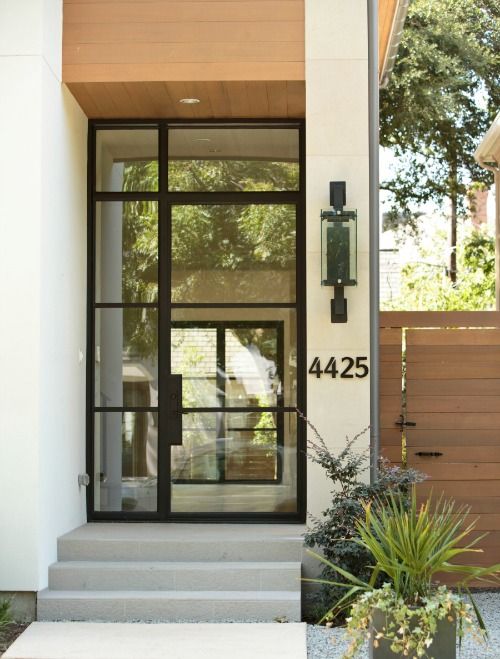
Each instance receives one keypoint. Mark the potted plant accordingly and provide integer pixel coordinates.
(411, 615)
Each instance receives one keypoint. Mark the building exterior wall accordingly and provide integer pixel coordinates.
(43, 269)
(336, 149)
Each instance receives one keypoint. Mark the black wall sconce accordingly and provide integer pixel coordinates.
(338, 249)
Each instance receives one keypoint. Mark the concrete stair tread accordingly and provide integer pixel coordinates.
(149, 532)
(251, 595)
(176, 565)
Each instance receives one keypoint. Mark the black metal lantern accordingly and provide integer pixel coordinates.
(338, 249)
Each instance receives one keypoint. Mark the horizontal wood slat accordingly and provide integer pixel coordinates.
(171, 72)
(444, 420)
(452, 436)
(182, 11)
(466, 490)
(76, 34)
(453, 337)
(453, 403)
(442, 353)
(463, 387)
(453, 370)
(440, 469)
(174, 53)
(439, 319)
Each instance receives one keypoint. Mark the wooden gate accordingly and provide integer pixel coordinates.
(449, 413)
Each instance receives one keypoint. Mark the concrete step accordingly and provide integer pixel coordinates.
(183, 576)
(192, 542)
(168, 606)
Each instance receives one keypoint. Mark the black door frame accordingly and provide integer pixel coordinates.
(165, 201)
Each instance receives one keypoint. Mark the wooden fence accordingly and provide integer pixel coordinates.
(440, 376)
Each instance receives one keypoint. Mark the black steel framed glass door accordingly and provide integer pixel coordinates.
(197, 322)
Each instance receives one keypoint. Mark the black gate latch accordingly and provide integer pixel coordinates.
(429, 454)
(404, 424)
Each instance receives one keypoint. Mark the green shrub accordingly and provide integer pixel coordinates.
(5, 616)
(334, 533)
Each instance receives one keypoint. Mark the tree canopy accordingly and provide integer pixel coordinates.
(443, 94)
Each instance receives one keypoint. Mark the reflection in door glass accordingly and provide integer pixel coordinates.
(235, 363)
(233, 159)
(233, 253)
(236, 462)
(125, 461)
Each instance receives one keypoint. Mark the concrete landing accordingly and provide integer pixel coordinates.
(84, 640)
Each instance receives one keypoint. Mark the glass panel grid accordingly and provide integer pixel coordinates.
(247, 445)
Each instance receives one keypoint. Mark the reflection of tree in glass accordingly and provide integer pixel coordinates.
(262, 435)
(140, 251)
(210, 242)
(216, 238)
(232, 175)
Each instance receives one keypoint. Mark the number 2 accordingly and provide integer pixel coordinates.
(350, 363)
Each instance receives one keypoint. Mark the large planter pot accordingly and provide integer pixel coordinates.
(443, 646)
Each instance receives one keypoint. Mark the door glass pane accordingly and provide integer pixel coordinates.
(236, 462)
(236, 357)
(126, 357)
(233, 253)
(127, 251)
(233, 159)
(125, 461)
(127, 160)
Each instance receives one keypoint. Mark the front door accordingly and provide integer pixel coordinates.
(197, 313)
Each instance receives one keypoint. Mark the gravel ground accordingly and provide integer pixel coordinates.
(325, 643)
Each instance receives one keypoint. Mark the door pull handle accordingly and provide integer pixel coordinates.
(429, 454)
(174, 410)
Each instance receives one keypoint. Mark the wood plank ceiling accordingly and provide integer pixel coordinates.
(137, 58)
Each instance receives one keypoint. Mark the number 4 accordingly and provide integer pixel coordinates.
(315, 368)
(331, 367)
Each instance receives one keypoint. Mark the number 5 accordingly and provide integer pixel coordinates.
(363, 367)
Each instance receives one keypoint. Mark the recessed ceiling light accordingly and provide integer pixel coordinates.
(202, 139)
(189, 101)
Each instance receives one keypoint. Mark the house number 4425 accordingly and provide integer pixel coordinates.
(344, 367)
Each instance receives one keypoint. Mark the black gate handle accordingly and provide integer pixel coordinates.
(429, 454)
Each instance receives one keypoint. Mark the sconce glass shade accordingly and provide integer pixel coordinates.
(338, 248)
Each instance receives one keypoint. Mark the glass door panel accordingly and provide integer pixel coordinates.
(238, 360)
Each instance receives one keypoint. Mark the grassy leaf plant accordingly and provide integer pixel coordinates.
(410, 547)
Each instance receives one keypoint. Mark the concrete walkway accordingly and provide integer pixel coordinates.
(86, 640)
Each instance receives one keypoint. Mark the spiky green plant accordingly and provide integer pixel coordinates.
(410, 546)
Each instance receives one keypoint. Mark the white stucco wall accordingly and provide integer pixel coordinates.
(336, 150)
(42, 280)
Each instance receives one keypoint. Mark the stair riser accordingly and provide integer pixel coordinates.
(123, 550)
(119, 610)
(68, 577)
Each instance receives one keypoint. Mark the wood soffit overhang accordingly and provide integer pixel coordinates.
(241, 58)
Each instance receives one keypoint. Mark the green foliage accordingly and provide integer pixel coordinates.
(336, 531)
(411, 544)
(408, 630)
(5, 615)
(408, 545)
(426, 287)
(443, 94)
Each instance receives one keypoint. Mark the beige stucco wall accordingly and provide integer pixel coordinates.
(336, 149)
